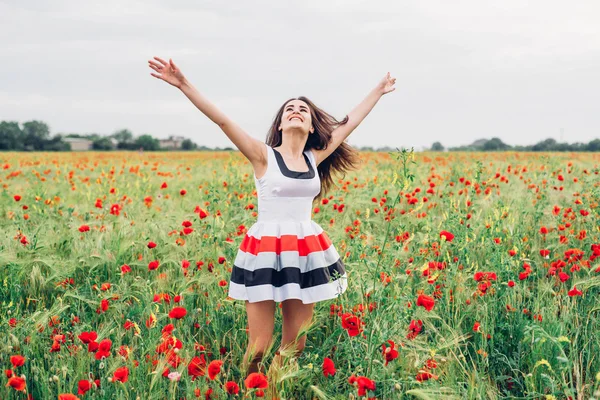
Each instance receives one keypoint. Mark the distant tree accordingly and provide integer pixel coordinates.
(35, 135)
(187, 144)
(594, 145)
(545, 145)
(11, 136)
(147, 143)
(103, 143)
(437, 146)
(578, 146)
(495, 144)
(123, 136)
(563, 147)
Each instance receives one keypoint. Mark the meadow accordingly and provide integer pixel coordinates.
(471, 276)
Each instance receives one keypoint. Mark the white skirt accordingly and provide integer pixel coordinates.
(287, 260)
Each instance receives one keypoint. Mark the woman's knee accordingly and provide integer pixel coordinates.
(259, 346)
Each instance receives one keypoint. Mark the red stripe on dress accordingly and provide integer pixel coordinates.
(305, 246)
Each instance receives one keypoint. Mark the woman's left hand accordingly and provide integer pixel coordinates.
(387, 84)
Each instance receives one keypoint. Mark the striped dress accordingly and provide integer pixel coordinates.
(285, 254)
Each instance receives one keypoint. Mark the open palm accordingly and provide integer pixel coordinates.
(167, 71)
(387, 84)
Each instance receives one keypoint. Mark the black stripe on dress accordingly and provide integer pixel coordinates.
(294, 174)
(270, 276)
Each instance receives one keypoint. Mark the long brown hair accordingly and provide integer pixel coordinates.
(343, 159)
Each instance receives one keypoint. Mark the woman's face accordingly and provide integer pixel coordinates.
(296, 116)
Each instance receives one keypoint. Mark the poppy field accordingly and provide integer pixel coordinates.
(470, 276)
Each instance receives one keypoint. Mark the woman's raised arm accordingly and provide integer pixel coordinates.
(249, 146)
(355, 117)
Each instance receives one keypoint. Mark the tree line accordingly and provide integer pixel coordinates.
(35, 136)
(496, 144)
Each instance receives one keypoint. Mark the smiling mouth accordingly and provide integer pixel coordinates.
(298, 118)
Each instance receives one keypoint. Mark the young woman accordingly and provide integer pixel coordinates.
(286, 257)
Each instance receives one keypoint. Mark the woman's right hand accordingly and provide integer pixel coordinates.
(168, 72)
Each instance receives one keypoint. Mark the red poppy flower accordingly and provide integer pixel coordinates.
(201, 213)
(390, 353)
(151, 245)
(256, 380)
(328, 367)
(214, 368)
(232, 387)
(490, 276)
(17, 361)
(153, 265)
(115, 209)
(67, 396)
(177, 312)
(83, 386)
(87, 337)
(364, 384)
(197, 367)
(426, 301)
(103, 349)
(84, 228)
(449, 236)
(575, 292)
(352, 324)
(424, 376)
(414, 328)
(17, 383)
(121, 374)
(93, 347)
(103, 306)
(55, 348)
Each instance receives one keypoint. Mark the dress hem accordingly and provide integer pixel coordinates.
(327, 291)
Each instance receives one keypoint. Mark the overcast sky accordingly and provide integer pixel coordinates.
(520, 70)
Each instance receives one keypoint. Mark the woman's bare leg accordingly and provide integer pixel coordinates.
(261, 321)
(295, 315)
